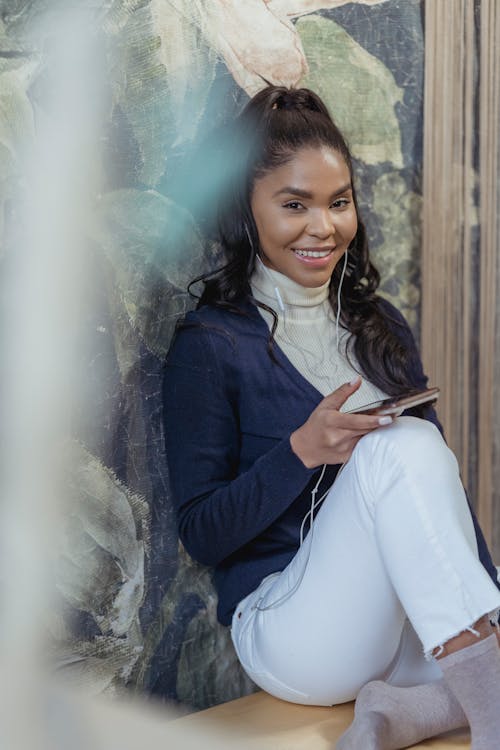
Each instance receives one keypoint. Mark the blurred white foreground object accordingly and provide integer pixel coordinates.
(45, 267)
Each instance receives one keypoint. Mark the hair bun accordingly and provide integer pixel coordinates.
(297, 99)
(285, 100)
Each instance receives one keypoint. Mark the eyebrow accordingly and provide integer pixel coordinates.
(306, 194)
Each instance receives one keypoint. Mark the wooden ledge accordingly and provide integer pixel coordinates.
(267, 723)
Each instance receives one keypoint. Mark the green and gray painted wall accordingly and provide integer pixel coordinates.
(134, 612)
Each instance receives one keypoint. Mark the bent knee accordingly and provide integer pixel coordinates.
(412, 430)
(407, 436)
(410, 452)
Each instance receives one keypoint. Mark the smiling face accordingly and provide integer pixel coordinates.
(305, 215)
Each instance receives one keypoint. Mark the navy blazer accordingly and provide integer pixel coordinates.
(239, 490)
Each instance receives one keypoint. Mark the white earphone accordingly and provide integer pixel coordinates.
(277, 292)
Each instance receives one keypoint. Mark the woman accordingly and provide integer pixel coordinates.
(288, 336)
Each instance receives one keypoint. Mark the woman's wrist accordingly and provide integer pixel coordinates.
(299, 447)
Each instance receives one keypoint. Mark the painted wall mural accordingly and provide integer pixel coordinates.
(134, 611)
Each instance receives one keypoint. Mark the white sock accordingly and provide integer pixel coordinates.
(390, 718)
(473, 675)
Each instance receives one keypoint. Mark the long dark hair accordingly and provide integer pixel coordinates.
(272, 127)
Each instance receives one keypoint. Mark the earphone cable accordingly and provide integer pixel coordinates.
(310, 514)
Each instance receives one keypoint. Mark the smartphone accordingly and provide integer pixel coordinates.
(397, 404)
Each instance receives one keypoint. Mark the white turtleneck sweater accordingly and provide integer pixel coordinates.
(306, 333)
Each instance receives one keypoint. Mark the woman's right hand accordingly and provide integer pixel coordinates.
(329, 435)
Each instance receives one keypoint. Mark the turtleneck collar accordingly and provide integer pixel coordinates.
(264, 280)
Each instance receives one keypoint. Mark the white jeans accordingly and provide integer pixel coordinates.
(393, 551)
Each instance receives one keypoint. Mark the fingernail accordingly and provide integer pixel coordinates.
(385, 420)
(355, 380)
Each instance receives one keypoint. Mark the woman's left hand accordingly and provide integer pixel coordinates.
(329, 436)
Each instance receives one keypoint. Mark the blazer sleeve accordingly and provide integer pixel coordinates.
(219, 510)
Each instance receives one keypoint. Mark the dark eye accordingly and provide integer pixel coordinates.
(340, 203)
(293, 205)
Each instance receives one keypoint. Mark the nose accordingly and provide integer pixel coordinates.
(321, 224)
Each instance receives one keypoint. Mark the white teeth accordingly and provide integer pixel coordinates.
(312, 253)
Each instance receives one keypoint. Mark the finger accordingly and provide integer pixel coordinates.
(337, 398)
(357, 423)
